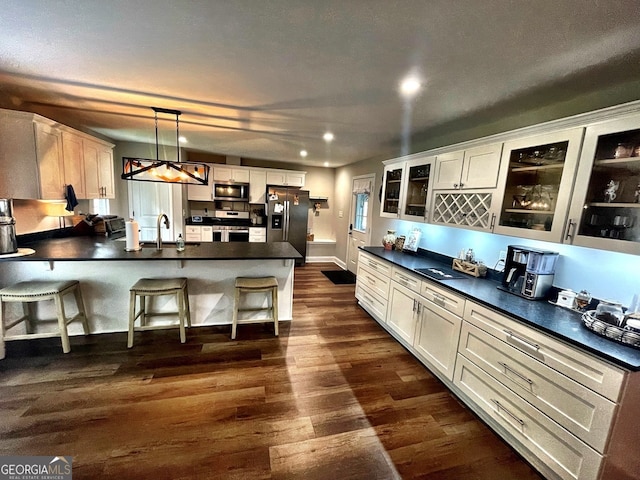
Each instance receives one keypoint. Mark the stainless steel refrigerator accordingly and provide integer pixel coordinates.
(287, 210)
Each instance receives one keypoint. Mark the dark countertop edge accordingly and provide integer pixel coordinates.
(630, 360)
(101, 248)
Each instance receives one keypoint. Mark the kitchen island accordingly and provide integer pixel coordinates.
(106, 272)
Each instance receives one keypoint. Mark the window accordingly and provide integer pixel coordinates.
(100, 206)
(362, 208)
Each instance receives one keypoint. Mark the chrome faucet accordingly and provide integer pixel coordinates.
(159, 238)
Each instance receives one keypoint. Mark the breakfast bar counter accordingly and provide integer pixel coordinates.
(106, 272)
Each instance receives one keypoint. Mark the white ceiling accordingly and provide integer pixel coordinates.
(266, 78)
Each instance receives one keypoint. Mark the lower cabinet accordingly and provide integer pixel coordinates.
(403, 312)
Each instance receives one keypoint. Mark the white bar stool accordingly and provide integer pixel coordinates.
(255, 285)
(153, 287)
(37, 291)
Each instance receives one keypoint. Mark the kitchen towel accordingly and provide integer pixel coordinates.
(72, 201)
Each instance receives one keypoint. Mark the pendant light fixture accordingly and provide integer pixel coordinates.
(166, 171)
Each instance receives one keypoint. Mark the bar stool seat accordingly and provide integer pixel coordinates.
(36, 291)
(255, 285)
(152, 287)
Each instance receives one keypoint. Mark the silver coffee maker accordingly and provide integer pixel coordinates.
(8, 242)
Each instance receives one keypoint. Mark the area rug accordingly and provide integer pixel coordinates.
(340, 277)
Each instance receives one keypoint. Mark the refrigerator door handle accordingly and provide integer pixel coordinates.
(286, 221)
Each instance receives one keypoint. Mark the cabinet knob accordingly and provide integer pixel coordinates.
(461, 185)
(455, 185)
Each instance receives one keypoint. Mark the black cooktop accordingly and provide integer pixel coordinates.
(440, 273)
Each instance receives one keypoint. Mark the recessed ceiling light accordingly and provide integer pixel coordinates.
(182, 139)
(328, 136)
(410, 86)
(326, 164)
(303, 153)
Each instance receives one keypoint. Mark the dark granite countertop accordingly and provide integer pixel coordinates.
(557, 321)
(83, 248)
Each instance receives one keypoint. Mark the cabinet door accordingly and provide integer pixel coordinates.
(257, 186)
(417, 188)
(437, 337)
(295, 179)
(50, 166)
(391, 191)
(605, 208)
(203, 193)
(73, 164)
(275, 177)
(91, 159)
(539, 173)
(230, 174)
(402, 312)
(448, 170)
(107, 184)
(481, 167)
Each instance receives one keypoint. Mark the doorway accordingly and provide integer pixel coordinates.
(359, 218)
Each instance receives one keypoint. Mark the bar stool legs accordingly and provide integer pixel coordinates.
(254, 285)
(151, 287)
(33, 291)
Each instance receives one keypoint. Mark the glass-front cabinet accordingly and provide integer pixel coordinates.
(605, 211)
(417, 188)
(537, 176)
(391, 190)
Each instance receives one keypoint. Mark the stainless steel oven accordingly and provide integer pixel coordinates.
(228, 233)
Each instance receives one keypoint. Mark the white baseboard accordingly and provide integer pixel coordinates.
(327, 259)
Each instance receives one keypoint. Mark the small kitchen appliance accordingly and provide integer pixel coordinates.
(8, 242)
(529, 272)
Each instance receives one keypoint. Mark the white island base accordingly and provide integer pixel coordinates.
(105, 289)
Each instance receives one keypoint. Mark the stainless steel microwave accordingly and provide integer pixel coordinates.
(234, 192)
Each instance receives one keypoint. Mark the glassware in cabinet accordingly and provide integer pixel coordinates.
(419, 180)
(538, 176)
(606, 203)
(391, 190)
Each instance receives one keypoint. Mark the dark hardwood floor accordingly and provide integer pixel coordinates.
(334, 397)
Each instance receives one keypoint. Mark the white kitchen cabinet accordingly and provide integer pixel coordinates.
(416, 188)
(403, 311)
(605, 207)
(537, 179)
(392, 190)
(49, 160)
(285, 178)
(202, 193)
(372, 285)
(469, 169)
(473, 210)
(193, 233)
(257, 186)
(98, 170)
(549, 447)
(73, 163)
(257, 234)
(231, 174)
(437, 335)
(206, 233)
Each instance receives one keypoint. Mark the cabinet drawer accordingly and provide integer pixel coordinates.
(580, 410)
(591, 372)
(554, 447)
(405, 279)
(379, 266)
(372, 303)
(373, 280)
(443, 298)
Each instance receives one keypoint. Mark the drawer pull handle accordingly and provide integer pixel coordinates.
(516, 373)
(522, 340)
(439, 300)
(368, 299)
(371, 280)
(414, 304)
(373, 265)
(499, 407)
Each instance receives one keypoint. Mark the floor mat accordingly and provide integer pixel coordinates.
(340, 277)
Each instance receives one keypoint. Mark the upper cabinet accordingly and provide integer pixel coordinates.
(257, 186)
(391, 190)
(417, 188)
(231, 174)
(98, 168)
(605, 208)
(201, 193)
(538, 175)
(285, 178)
(473, 168)
(50, 155)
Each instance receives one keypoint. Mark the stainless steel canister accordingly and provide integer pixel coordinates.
(8, 242)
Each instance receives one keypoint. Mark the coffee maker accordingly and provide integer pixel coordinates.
(528, 272)
(8, 242)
